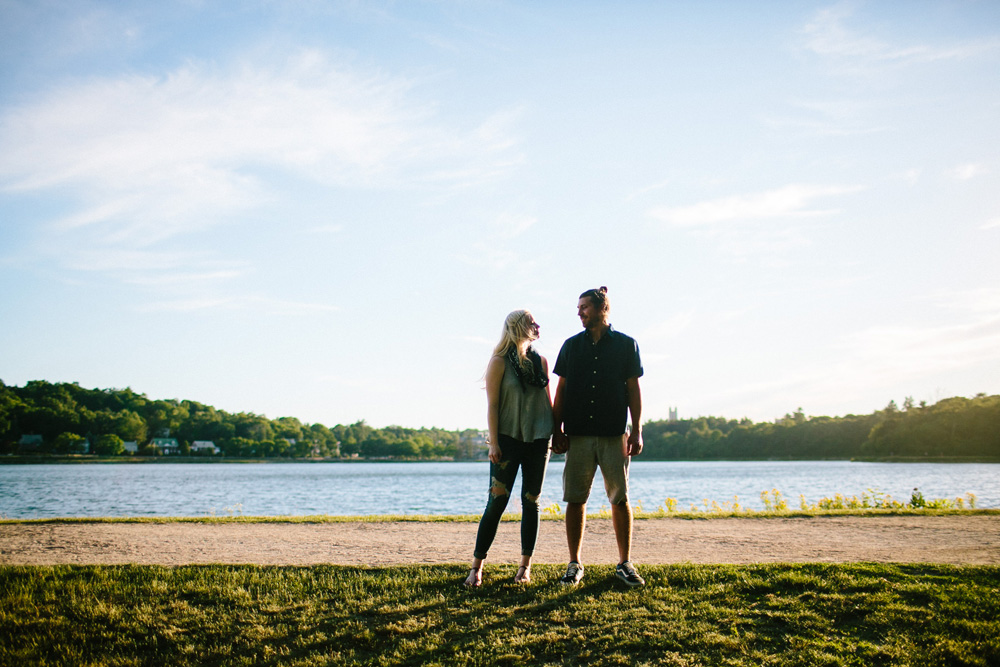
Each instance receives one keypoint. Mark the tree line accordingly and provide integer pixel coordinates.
(63, 418)
(953, 427)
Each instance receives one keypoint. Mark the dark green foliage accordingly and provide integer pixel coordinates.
(65, 414)
(954, 427)
(773, 614)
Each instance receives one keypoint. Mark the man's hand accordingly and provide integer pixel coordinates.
(634, 446)
(560, 443)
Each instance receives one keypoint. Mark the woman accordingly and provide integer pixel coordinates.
(520, 424)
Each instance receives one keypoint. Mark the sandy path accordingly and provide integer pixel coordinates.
(936, 539)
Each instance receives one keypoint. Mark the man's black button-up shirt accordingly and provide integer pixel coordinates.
(595, 397)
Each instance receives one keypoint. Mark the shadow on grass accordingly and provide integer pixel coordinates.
(870, 614)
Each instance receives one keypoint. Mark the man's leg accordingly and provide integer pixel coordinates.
(578, 476)
(621, 518)
(614, 466)
(576, 521)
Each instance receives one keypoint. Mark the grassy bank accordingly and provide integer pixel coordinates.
(870, 503)
(546, 516)
(855, 614)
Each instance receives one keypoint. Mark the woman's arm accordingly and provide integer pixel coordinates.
(494, 374)
(560, 443)
(548, 395)
(545, 369)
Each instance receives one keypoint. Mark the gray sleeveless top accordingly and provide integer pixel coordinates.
(525, 413)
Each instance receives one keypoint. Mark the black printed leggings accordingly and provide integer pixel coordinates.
(532, 458)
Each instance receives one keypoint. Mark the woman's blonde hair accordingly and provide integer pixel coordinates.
(516, 328)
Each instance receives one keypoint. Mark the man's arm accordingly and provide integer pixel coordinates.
(560, 442)
(635, 411)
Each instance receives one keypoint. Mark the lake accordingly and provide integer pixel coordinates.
(352, 489)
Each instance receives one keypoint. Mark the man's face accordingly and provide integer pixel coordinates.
(589, 315)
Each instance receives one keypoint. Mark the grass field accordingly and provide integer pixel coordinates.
(814, 614)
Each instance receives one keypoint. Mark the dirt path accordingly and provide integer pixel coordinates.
(936, 539)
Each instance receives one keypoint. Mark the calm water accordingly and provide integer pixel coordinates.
(203, 489)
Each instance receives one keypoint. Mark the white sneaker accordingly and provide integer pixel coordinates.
(574, 573)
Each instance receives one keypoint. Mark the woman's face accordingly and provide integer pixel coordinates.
(534, 330)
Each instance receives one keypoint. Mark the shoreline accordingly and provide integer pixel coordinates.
(507, 518)
(83, 459)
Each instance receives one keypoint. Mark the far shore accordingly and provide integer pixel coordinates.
(23, 459)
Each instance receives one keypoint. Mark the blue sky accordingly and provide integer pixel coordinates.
(326, 209)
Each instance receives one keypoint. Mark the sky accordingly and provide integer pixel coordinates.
(325, 210)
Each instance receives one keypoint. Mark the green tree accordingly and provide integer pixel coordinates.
(288, 428)
(10, 406)
(325, 439)
(253, 427)
(165, 417)
(109, 444)
(70, 443)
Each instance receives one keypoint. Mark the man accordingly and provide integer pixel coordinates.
(599, 371)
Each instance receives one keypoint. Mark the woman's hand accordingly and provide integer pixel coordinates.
(495, 453)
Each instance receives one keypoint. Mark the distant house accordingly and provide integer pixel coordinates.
(168, 446)
(204, 447)
(132, 447)
(30, 443)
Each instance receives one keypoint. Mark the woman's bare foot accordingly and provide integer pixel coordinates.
(475, 578)
(523, 575)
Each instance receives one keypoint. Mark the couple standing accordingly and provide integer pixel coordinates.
(598, 390)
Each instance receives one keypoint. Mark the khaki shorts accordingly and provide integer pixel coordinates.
(586, 452)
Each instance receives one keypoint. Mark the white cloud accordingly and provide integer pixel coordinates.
(872, 363)
(486, 255)
(157, 156)
(829, 35)
(138, 164)
(966, 172)
(669, 328)
(992, 224)
(648, 189)
(257, 304)
(901, 352)
(828, 118)
(789, 201)
(181, 279)
(977, 301)
(911, 176)
(888, 355)
(511, 225)
(182, 305)
(326, 229)
(123, 260)
(478, 341)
